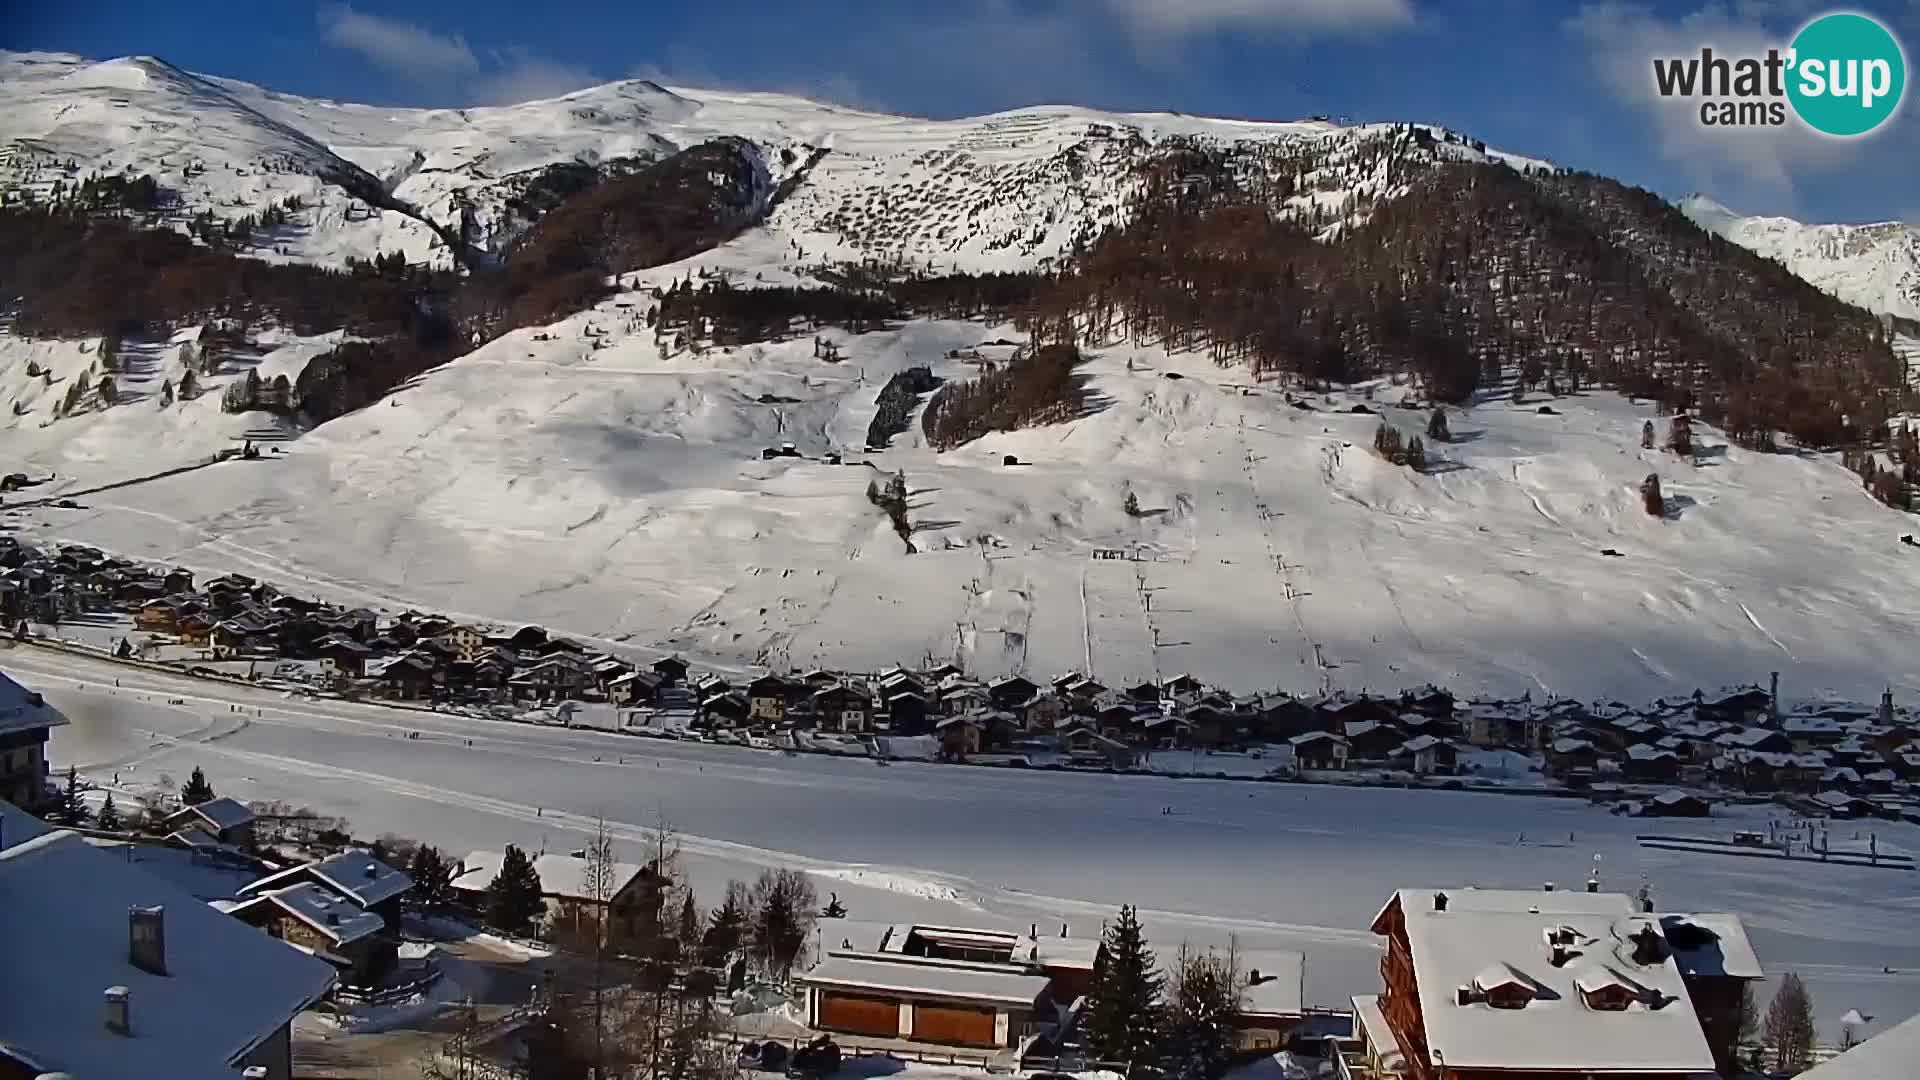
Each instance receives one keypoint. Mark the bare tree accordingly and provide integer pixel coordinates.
(1789, 1025)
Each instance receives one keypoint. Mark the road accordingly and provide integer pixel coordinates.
(1277, 865)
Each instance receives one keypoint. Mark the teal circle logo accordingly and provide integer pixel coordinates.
(1848, 74)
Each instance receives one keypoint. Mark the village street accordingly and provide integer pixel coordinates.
(1277, 865)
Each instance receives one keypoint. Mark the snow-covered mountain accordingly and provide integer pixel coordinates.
(593, 478)
(1876, 267)
(1002, 192)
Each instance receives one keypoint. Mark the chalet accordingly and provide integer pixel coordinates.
(634, 688)
(961, 736)
(963, 699)
(117, 972)
(1277, 718)
(604, 671)
(1426, 755)
(1571, 755)
(1839, 804)
(1337, 718)
(559, 677)
(1370, 741)
(354, 874)
(160, 616)
(467, 642)
(1483, 984)
(1675, 804)
(893, 994)
(403, 678)
(672, 670)
(1087, 746)
(708, 685)
(1758, 740)
(623, 901)
(898, 681)
(196, 629)
(226, 820)
(242, 636)
(841, 708)
(1430, 701)
(1010, 692)
(1744, 706)
(1041, 713)
(1504, 725)
(342, 656)
(1211, 727)
(327, 925)
(937, 672)
(1319, 751)
(767, 699)
(1146, 693)
(1164, 730)
(909, 713)
(25, 721)
(178, 580)
(728, 709)
(1812, 732)
(1181, 684)
(1647, 763)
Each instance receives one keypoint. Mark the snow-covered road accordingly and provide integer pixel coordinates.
(1279, 865)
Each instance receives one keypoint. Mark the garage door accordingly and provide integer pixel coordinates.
(859, 1015)
(953, 1026)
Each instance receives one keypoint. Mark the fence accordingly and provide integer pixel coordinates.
(384, 995)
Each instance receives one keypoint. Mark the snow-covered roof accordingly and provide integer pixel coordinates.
(339, 919)
(1889, 1055)
(1278, 991)
(1711, 944)
(22, 709)
(1670, 797)
(228, 986)
(952, 980)
(563, 876)
(222, 813)
(1059, 952)
(1372, 1022)
(354, 874)
(1420, 742)
(1488, 937)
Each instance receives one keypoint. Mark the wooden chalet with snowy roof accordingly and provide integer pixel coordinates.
(1495, 984)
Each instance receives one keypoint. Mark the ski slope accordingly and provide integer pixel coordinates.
(592, 483)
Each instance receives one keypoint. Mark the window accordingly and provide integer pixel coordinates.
(1508, 997)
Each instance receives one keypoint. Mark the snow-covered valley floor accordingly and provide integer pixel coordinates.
(1280, 865)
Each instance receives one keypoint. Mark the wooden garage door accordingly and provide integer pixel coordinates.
(953, 1025)
(859, 1015)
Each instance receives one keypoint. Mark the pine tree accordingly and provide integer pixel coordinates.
(1646, 435)
(689, 929)
(1680, 436)
(196, 790)
(726, 930)
(513, 896)
(432, 875)
(1132, 505)
(1124, 1003)
(1416, 455)
(1437, 430)
(109, 819)
(782, 905)
(71, 811)
(1789, 1028)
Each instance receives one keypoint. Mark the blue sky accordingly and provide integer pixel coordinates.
(1566, 81)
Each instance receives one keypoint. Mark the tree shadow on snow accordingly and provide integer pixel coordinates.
(1678, 504)
(1443, 467)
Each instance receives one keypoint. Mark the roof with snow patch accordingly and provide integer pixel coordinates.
(354, 874)
(1889, 1055)
(995, 984)
(228, 987)
(336, 917)
(22, 709)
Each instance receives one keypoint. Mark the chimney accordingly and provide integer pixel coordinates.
(1439, 901)
(1548, 887)
(254, 1072)
(119, 1010)
(1773, 698)
(1033, 931)
(1063, 929)
(333, 918)
(147, 939)
(1463, 995)
(1253, 977)
(1593, 884)
(1558, 956)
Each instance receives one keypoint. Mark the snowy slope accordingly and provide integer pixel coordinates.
(1001, 192)
(619, 494)
(1876, 267)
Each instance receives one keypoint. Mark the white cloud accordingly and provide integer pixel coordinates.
(1749, 163)
(1299, 17)
(444, 63)
(518, 74)
(401, 48)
